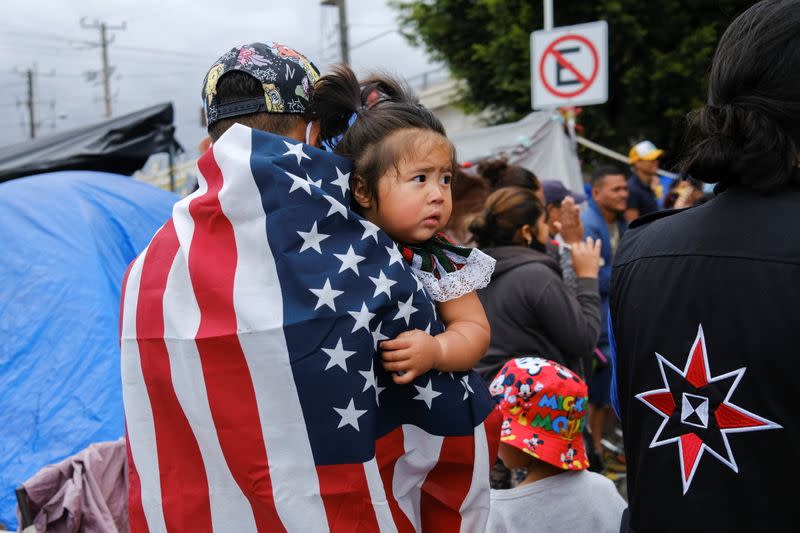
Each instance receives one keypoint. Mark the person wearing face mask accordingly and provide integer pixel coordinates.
(529, 307)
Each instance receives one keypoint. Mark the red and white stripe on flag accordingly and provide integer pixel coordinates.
(216, 435)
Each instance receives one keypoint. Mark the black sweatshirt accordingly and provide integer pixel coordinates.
(531, 312)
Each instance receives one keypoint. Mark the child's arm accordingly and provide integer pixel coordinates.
(459, 347)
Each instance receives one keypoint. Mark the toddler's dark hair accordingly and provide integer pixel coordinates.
(506, 210)
(234, 86)
(383, 105)
(749, 132)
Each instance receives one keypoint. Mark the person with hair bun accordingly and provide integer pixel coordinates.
(499, 173)
(530, 309)
(703, 303)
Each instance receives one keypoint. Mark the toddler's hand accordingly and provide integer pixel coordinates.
(412, 353)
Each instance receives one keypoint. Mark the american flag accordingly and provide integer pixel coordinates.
(254, 395)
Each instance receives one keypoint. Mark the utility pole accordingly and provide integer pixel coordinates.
(104, 42)
(29, 73)
(343, 41)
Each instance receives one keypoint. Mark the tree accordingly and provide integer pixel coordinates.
(659, 58)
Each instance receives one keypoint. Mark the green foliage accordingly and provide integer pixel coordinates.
(660, 54)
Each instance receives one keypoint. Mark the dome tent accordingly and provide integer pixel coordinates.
(67, 238)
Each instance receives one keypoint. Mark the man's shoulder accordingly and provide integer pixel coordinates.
(591, 218)
(649, 218)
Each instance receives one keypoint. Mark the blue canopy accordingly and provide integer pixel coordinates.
(66, 239)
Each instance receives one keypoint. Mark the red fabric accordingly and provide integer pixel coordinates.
(696, 374)
(346, 496)
(388, 449)
(185, 500)
(231, 395)
(690, 444)
(447, 485)
(729, 417)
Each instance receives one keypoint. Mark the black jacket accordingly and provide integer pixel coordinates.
(531, 311)
(705, 306)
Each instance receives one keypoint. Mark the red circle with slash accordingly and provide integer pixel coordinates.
(586, 82)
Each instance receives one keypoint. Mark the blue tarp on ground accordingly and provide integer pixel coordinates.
(66, 239)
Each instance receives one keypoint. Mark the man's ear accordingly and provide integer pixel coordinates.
(360, 192)
(204, 145)
(313, 134)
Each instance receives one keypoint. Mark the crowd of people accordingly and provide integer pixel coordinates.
(562, 301)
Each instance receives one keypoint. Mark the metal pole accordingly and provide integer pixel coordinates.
(548, 14)
(171, 170)
(343, 33)
(31, 104)
(106, 84)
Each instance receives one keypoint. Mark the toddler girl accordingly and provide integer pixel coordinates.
(403, 165)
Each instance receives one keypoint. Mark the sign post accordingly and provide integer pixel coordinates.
(569, 66)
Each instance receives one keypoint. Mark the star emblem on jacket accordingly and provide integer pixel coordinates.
(698, 412)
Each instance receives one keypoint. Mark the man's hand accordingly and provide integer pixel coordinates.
(410, 354)
(569, 225)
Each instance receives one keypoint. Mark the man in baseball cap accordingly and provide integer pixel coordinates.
(544, 405)
(563, 216)
(264, 86)
(643, 158)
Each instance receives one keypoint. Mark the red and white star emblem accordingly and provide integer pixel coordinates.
(697, 411)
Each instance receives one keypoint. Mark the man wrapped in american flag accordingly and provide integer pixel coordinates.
(255, 399)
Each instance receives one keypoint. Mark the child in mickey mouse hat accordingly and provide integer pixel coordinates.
(544, 406)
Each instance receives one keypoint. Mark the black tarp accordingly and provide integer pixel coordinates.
(120, 145)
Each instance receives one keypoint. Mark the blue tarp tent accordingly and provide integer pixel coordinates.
(66, 239)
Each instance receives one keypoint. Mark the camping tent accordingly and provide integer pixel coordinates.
(537, 142)
(66, 239)
(121, 145)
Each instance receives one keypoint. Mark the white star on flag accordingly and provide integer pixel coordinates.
(362, 318)
(428, 331)
(299, 183)
(296, 150)
(370, 230)
(350, 415)
(377, 336)
(371, 382)
(426, 393)
(312, 239)
(467, 389)
(405, 310)
(338, 356)
(395, 256)
(382, 284)
(349, 260)
(419, 281)
(342, 181)
(326, 295)
(336, 206)
(317, 183)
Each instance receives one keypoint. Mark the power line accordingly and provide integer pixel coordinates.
(34, 34)
(160, 51)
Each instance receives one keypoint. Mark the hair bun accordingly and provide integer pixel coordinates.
(739, 143)
(493, 170)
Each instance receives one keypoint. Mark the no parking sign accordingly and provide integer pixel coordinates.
(569, 65)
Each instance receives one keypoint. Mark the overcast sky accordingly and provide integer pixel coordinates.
(165, 50)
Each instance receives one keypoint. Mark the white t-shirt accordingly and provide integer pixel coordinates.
(577, 502)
